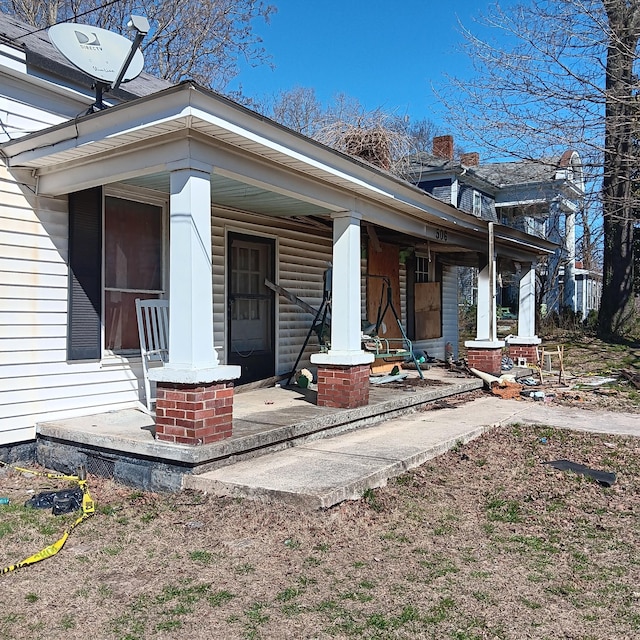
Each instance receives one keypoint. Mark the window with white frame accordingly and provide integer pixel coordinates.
(477, 204)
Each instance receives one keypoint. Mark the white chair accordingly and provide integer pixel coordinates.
(153, 329)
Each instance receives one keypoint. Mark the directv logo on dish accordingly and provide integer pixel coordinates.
(85, 42)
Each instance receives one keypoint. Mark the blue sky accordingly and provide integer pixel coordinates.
(385, 54)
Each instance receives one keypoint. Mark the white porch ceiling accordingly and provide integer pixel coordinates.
(227, 192)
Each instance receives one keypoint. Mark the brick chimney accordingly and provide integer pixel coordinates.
(470, 159)
(443, 147)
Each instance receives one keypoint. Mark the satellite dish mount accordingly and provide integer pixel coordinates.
(109, 58)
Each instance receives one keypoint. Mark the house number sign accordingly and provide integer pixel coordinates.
(441, 235)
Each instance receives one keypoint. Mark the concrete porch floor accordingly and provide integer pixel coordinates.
(121, 444)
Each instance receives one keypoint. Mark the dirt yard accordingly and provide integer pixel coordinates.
(484, 542)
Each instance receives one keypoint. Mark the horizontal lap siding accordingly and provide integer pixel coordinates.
(36, 381)
(302, 255)
(303, 261)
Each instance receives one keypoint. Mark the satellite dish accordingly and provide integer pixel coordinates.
(99, 53)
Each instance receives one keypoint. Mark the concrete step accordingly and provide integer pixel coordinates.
(262, 432)
(321, 474)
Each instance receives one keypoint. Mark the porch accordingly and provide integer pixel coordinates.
(122, 445)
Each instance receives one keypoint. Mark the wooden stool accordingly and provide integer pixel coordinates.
(553, 350)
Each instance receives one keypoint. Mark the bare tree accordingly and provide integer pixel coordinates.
(201, 40)
(299, 109)
(560, 76)
(422, 133)
(378, 137)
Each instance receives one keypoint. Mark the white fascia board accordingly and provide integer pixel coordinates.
(180, 105)
(299, 147)
(522, 203)
(523, 241)
(60, 180)
(286, 151)
(82, 132)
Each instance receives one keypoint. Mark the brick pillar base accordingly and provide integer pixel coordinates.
(487, 360)
(343, 387)
(194, 413)
(527, 351)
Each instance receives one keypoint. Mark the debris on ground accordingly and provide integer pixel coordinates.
(389, 378)
(633, 378)
(64, 501)
(491, 380)
(507, 390)
(506, 363)
(304, 378)
(604, 478)
(534, 395)
(597, 381)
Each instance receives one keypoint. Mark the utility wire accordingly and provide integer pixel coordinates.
(75, 16)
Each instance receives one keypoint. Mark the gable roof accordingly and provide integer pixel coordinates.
(567, 166)
(504, 174)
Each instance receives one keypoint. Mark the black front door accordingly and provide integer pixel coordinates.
(251, 311)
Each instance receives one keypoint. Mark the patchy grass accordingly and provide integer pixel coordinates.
(469, 547)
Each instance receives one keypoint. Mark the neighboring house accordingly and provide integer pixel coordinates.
(540, 198)
(176, 192)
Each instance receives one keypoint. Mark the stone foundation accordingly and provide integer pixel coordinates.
(487, 360)
(343, 387)
(194, 414)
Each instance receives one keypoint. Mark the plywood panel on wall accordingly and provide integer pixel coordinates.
(385, 262)
(428, 310)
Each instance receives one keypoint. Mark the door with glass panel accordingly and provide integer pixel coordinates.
(251, 306)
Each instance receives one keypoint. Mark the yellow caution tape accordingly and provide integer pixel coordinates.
(88, 509)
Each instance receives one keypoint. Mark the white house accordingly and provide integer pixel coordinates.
(176, 192)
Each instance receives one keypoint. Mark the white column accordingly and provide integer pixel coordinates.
(192, 357)
(570, 297)
(486, 310)
(526, 311)
(346, 346)
(486, 323)
(527, 304)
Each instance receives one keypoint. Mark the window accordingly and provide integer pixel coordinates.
(422, 269)
(115, 256)
(133, 267)
(477, 204)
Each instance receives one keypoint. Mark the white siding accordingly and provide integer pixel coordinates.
(303, 253)
(20, 115)
(36, 381)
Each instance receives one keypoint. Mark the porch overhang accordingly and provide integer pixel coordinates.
(187, 126)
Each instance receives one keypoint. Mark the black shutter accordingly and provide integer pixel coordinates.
(85, 275)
